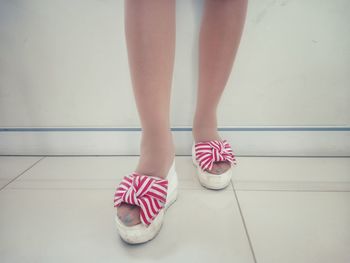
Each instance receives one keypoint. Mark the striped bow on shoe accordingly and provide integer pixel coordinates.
(207, 153)
(144, 191)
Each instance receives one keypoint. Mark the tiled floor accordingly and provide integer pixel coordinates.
(278, 209)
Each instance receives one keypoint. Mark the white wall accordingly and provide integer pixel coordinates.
(64, 64)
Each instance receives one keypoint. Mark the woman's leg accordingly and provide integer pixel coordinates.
(220, 34)
(150, 37)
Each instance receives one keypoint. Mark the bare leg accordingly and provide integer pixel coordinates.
(220, 35)
(150, 35)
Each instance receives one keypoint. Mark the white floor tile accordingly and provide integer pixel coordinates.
(61, 210)
(303, 227)
(91, 172)
(12, 166)
(41, 225)
(296, 173)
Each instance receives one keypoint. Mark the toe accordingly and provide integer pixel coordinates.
(225, 166)
(129, 214)
(219, 167)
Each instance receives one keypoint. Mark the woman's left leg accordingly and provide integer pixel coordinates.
(220, 34)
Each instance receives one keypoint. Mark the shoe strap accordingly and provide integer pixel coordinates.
(209, 152)
(144, 191)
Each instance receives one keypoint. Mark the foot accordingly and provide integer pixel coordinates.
(156, 158)
(201, 134)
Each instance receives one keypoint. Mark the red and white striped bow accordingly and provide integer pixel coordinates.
(146, 192)
(213, 151)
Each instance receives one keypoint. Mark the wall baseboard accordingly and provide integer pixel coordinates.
(246, 141)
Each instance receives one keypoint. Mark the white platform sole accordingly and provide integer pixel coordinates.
(212, 181)
(140, 233)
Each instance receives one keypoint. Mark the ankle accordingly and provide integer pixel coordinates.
(205, 127)
(157, 153)
(205, 134)
(151, 133)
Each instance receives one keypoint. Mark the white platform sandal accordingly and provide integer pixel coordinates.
(205, 154)
(153, 195)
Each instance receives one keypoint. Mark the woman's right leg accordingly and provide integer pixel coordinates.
(150, 37)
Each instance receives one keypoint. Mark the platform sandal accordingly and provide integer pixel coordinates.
(153, 195)
(205, 154)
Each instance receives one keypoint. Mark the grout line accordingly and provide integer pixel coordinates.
(294, 190)
(177, 155)
(244, 223)
(21, 174)
(177, 129)
(53, 182)
(86, 188)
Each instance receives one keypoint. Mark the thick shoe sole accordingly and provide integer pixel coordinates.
(212, 181)
(140, 233)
